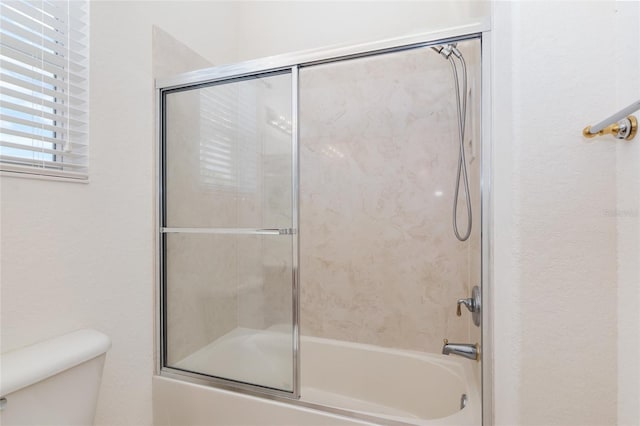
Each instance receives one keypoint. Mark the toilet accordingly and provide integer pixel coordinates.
(54, 382)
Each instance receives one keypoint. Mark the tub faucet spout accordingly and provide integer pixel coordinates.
(466, 350)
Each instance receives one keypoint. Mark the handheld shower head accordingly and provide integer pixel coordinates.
(447, 50)
(461, 102)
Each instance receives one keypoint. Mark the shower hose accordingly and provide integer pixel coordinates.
(462, 163)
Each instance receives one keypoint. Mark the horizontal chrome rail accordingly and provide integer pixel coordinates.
(230, 231)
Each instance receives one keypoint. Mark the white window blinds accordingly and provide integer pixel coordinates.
(44, 87)
(228, 136)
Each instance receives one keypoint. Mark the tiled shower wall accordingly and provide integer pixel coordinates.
(378, 153)
(379, 263)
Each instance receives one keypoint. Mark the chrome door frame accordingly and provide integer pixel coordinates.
(201, 378)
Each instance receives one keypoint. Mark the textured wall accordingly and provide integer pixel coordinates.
(555, 293)
(266, 28)
(378, 153)
(627, 215)
(82, 255)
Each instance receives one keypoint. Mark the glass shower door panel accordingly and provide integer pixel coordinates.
(229, 311)
(229, 231)
(228, 150)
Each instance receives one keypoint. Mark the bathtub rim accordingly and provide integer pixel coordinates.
(458, 367)
(383, 420)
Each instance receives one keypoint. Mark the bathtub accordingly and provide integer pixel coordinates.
(374, 385)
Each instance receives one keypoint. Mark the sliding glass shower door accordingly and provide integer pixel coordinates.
(229, 231)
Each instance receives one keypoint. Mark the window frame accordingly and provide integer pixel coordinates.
(44, 89)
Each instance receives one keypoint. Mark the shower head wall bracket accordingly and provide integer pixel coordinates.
(447, 50)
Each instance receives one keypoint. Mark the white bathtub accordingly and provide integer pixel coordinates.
(393, 386)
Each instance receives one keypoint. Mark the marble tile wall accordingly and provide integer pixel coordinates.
(378, 153)
(265, 279)
(202, 297)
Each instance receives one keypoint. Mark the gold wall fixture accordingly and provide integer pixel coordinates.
(622, 124)
(623, 129)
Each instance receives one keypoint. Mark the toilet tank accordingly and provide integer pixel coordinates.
(54, 382)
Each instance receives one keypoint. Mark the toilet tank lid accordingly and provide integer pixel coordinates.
(23, 367)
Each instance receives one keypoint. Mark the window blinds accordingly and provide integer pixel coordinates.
(44, 87)
(228, 136)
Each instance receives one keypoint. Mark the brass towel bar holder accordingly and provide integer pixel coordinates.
(621, 125)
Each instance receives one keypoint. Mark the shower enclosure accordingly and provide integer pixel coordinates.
(306, 246)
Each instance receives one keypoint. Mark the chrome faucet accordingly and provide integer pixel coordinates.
(466, 350)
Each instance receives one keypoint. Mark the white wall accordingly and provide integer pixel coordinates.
(76, 255)
(628, 218)
(270, 28)
(556, 303)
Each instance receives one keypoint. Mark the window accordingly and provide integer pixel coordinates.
(44, 87)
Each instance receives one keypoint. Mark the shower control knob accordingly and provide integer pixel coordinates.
(466, 302)
(473, 305)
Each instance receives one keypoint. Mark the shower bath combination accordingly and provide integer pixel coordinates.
(279, 182)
